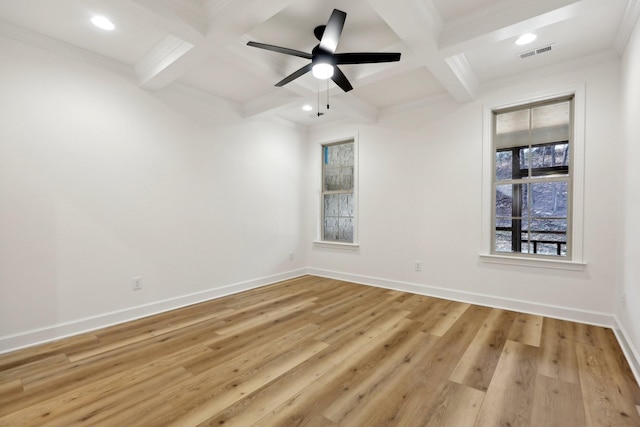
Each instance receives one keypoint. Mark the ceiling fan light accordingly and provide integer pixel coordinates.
(322, 71)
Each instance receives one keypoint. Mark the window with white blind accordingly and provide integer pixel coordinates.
(533, 177)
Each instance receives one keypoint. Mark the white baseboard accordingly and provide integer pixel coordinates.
(556, 312)
(39, 336)
(630, 352)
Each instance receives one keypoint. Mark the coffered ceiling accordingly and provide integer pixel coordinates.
(451, 49)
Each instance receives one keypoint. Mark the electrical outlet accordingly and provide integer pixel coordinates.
(623, 297)
(290, 256)
(137, 283)
(418, 266)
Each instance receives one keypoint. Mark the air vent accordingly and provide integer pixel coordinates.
(534, 52)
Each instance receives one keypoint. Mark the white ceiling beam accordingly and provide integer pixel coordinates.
(356, 108)
(163, 55)
(227, 21)
(173, 18)
(506, 20)
(418, 24)
(275, 100)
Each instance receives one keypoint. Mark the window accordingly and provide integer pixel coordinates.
(338, 192)
(532, 179)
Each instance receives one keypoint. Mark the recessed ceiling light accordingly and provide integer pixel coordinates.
(526, 39)
(103, 23)
(307, 107)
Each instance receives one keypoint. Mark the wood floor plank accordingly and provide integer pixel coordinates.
(265, 316)
(509, 398)
(429, 380)
(526, 329)
(313, 351)
(557, 357)
(257, 405)
(80, 402)
(557, 403)
(228, 347)
(477, 365)
(620, 366)
(334, 328)
(300, 409)
(606, 404)
(358, 381)
(216, 401)
(457, 405)
(447, 317)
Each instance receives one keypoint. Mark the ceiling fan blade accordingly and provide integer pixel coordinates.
(341, 80)
(366, 57)
(279, 49)
(332, 31)
(295, 75)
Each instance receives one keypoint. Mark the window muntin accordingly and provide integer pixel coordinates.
(338, 198)
(532, 180)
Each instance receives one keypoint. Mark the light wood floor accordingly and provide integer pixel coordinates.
(320, 352)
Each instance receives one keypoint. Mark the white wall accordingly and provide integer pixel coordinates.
(629, 314)
(420, 199)
(101, 181)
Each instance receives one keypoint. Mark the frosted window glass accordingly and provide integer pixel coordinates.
(338, 182)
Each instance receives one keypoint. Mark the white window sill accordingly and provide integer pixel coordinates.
(533, 262)
(336, 245)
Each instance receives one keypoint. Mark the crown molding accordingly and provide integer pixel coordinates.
(47, 43)
(627, 25)
(165, 53)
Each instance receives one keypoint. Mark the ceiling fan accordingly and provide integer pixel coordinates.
(324, 59)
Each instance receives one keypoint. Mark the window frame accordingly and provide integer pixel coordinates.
(320, 241)
(575, 232)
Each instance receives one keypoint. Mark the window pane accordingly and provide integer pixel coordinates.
(504, 200)
(524, 190)
(345, 229)
(503, 241)
(551, 115)
(550, 156)
(345, 154)
(331, 179)
(330, 228)
(549, 199)
(504, 165)
(339, 155)
(561, 155)
(346, 178)
(513, 121)
(524, 162)
(346, 205)
(551, 249)
(331, 155)
(503, 222)
(331, 204)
